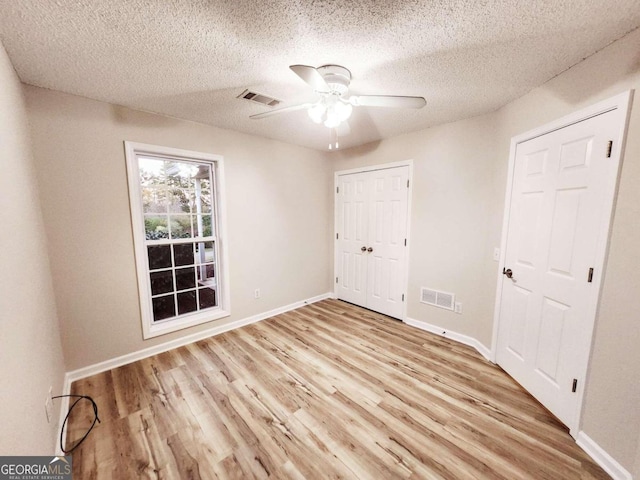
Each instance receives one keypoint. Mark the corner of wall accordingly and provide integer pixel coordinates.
(458, 337)
(30, 340)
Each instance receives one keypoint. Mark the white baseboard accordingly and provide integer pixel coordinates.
(602, 458)
(187, 339)
(458, 337)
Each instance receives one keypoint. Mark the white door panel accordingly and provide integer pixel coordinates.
(387, 231)
(561, 181)
(353, 227)
(372, 208)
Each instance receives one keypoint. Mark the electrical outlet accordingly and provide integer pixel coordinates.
(256, 293)
(496, 254)
(458, 307)
(48, 405)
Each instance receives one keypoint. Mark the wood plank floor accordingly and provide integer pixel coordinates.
(326, 391)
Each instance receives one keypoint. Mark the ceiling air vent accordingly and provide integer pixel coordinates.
(259, 98)
(437, 298)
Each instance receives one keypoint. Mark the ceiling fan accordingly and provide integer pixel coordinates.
(334, 107)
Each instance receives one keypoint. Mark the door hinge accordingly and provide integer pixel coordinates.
(590, 276)
(574, 387)
(407, 183)
(405, 242)
(609, 148)
(336, 279)
(337, 236)
(337, 189)
(403, 297)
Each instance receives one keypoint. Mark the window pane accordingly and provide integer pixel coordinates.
(154, 200)
(179, 200)
(187, 302)
(159, 257)
(205, 185)
(201, 196)
(183, 254)
(163, 307)
(198, 226)
(151, 172)
(181, 226)
(185, 278)
(205, 253)
(206, 274)
(161, 282)
(180, 174)
(207, 297)
(200, 203)
(155, 227)
(203, 173)
(203, 226)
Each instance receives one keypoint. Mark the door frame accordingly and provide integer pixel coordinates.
(371, 168)
(621, 104)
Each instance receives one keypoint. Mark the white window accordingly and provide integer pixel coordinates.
(178, 229)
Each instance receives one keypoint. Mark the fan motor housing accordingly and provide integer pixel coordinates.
(337, 77)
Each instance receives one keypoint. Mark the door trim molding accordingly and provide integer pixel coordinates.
(372, 168)
(621, 104)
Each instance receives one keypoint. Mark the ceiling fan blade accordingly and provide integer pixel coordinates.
(392, 101)
(312, 77)
(343, 129)
(292, 108)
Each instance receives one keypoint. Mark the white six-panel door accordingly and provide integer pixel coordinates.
(371, 245)
(562, 190)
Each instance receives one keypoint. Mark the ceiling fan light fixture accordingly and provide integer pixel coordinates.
(333, 120)
(331, 111)
(343, 110)
(317, 112)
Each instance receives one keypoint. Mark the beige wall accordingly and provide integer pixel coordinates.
(458, 199)
(30, 350)
(278, 211)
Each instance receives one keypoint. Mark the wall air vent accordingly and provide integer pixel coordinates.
(437, 298)
(259, 98)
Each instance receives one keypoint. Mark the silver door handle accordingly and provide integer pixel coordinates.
(508, 272)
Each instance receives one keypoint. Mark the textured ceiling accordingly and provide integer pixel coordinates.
(191, 58)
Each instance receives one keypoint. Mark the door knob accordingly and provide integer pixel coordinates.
(363, 249)
(369, 249)
(508, 272)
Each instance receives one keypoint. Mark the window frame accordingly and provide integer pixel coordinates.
(150, 329)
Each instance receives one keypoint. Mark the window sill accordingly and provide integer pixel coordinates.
(162, 328)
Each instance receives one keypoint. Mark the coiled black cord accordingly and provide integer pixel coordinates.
(64, 424)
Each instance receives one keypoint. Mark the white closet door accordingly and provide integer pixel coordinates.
(371, 246)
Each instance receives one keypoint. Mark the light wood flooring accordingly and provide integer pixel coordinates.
(326, 391)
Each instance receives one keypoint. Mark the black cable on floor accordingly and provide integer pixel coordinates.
(64, 424)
